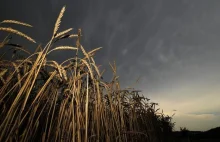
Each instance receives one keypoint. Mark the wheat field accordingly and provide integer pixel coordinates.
(43, 100)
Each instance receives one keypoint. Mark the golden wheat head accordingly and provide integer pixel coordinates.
(57, 24)
(63, 48)
(63, 32)
(10, 30)
(16, 22)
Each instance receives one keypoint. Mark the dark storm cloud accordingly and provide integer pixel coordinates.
(122, 28)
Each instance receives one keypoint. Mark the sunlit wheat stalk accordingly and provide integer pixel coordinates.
(57, 25)
(16, 22)
(8, 29)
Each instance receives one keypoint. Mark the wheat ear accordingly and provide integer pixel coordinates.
(17, 32)
(94, 50)
(63, 32)
(89, 68)
(63, 48)
(57, 24)
(16, 22)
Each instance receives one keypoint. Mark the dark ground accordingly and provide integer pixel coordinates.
(212, 135)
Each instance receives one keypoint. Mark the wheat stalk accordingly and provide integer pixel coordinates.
(59, 68)
(90, 70)
(84, 52)
(16, 22)
(94, 50)
(73, 35)
(57, 24)
(17, 32)
(63, 32)
(63, 48)
(2, 73)
(18, 48)
(18, 72)
(96, 68)
(2, 79)
(5, 41)
(63, 72)
(25, 61)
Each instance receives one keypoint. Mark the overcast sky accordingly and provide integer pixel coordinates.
(172, 45)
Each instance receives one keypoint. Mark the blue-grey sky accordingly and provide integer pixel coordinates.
(172, 45)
